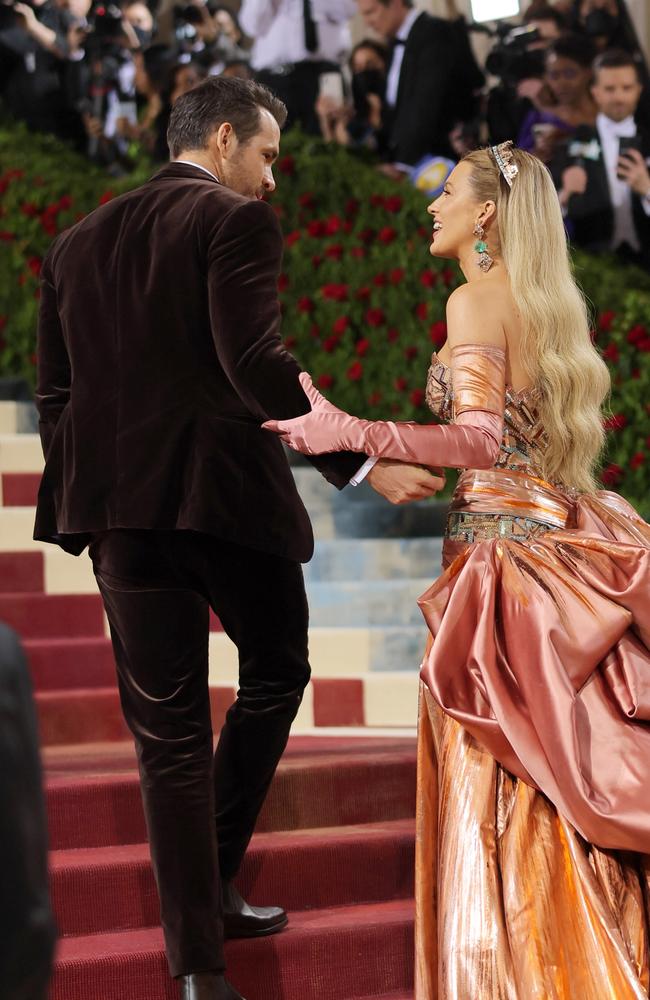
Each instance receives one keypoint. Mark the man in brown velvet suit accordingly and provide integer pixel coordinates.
(159, 358)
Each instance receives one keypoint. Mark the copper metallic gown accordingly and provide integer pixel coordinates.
(534, 737)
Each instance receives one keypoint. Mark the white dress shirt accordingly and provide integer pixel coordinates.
(359, 476)
(620, 193)
(277, 28)
(394, 73)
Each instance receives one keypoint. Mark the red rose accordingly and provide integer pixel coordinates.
(616, 422)
(305, 304)
(447, 276)
(611, 353)
(374, 398)
(393, 335)
(292, 237)
(375, 317)
(347, 226)
(636, 334)
(410, 353)
(334, 251)
(401, 384)
(363, 293)
(65, 201)
(428, 279)
(331, 343)
(637, 460)
(422, 310)
(636, 373)
(417, 397)
(29, 209)
(644, 345)
(325, 381)
(611, 475)
(355, 371)
(380, 280)
(34, 265)
(306, 200)
(352, 206)
(314, 331)
(340, 325)
(333, 224)
(6, 237)
(358, 252)
(316, 261)
(386, 235)
(334, 292)
(287, 165)
(393, 203)
(283, 282)
(367, 235)
(377, 200)
(605, 320)
(290, 342)
(396, 276)
(106, 197)
(362, 347)
(316, 228)
(438, 332)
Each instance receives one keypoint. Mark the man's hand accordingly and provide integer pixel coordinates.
(400, 483)
(633, 170)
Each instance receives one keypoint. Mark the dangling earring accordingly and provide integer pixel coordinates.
(484, 261)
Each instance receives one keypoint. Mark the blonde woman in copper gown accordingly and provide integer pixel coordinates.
(533, 831)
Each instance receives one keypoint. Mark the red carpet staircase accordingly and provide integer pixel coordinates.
(334, 844)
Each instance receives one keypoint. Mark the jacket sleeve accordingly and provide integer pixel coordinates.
(53, 373)
(244, 258)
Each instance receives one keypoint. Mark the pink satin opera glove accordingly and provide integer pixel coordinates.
(472, 441)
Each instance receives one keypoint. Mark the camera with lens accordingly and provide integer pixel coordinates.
(512, 59)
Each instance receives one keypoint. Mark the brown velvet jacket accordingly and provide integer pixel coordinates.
(159, 355)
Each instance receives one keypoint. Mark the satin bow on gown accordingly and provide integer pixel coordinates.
(533, 814)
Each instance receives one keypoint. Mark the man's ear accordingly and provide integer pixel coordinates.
(225, 139)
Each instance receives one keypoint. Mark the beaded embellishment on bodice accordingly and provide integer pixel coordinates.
(523, 440)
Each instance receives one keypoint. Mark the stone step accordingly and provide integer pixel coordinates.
(17, 417)
(374, 559)
(367, 602)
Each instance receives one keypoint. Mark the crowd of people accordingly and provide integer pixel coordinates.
(568, 83)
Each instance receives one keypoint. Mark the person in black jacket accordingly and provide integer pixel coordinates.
(603, 175)
(431, 78)
(27, 932)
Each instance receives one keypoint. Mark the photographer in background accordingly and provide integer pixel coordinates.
(567, 76)
(34, 49)
(357, 123)
(295, 43)
(603, 177)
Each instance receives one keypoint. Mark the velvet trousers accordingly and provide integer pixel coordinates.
(201, 807)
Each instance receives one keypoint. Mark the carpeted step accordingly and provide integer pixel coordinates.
(21, 572)
(331, 954)
(98, 890)
(89, 715)
(36, 616)
(60, 664)
(331, 782)
(20, 489)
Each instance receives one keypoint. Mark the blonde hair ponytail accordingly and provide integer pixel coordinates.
(556, 347)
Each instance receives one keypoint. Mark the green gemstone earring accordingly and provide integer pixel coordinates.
(484, 261)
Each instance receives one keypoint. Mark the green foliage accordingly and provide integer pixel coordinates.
(363, 302)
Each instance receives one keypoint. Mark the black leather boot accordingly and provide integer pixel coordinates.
(207, 986)
(243, 921)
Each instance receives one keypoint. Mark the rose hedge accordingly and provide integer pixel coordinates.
(363, 301)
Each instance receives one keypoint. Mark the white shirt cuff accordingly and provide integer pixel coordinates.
(359, 476)
(645, 201)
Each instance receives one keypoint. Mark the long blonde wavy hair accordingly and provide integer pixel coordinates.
(556, 347)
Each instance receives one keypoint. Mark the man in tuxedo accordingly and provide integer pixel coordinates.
(155, 374)
(431, 78)
(604, 187)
